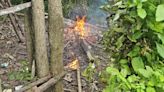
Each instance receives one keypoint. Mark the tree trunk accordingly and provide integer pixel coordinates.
(55, 30)
(29, 34)
(0, 85)
(40, 38)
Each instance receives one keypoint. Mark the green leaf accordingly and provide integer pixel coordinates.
(143, 0)
(160, 13)
(150, 89)
(118, 3)
(141, 13)
(146, 72)
(137, 35)
(123, 61)
(148, 68)
(160, 49)
(133, 37)
(155, 26)
(124, 72)
(116, 17)
(11, 76)
(120, 41)
(148, 57)
(139, 5)
(161, 37)
(135, 51)
(133, 78)
(112, 70)
(137, 63)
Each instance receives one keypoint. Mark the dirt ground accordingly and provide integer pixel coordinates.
(12, 53)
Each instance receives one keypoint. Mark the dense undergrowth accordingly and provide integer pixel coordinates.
(136, 41)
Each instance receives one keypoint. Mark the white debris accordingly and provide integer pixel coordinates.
(18, 87)
(7, 90)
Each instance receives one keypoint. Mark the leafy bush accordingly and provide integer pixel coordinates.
(136, 41)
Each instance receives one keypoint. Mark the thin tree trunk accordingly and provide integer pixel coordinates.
(0, 85)
(40, 38)
(29, 34)
(55, 30)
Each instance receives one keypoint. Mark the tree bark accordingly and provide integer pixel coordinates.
(0, 85)
(40, 38)
(55, 29)
(29, 34)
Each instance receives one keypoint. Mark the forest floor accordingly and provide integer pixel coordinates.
(13, 53)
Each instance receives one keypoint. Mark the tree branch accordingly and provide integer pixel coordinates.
(40, 81)
(15, 8)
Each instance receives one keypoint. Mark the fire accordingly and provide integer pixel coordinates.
(80, 26)
(74, 64)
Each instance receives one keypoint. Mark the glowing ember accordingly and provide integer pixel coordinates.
(74, 64)
(80, 26)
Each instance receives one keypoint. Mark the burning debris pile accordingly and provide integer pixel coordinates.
(81, 48)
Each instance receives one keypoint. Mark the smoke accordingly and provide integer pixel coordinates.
(94, 14)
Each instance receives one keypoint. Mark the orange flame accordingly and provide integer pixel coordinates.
(74, 64)
(80, 26)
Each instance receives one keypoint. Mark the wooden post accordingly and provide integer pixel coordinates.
(55, 29)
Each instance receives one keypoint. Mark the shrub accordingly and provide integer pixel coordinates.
(136, 41)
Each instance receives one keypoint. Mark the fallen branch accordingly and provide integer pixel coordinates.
(40, 81)
(15, 8)
(15, 16)
(15, 23)
(87, 49)
(50, 82)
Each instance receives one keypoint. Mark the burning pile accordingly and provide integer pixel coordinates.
(79, 37)
(81, 33)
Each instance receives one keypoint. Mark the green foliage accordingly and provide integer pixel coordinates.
(22, 74)
(136, 41)
(15, 2)
(67, 6)
(137, 63)
(160, 13)
(89, 72)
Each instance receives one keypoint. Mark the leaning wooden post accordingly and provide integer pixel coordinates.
(40, 38)
(55, 30)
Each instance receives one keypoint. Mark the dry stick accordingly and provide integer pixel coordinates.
(33, 71)
(40, 81)
(16, 17)
(79, 80)
(69, 90)
(87, 49)
(19, 35)
(13, 21)
(15, 8)
(50, 82)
